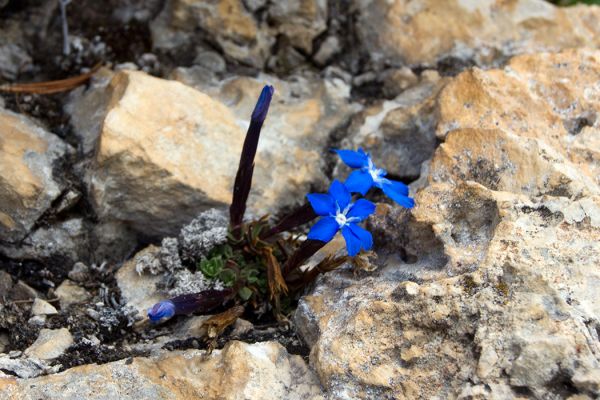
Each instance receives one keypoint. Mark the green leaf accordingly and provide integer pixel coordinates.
(228, 277)
(245, 293)
(211, 267)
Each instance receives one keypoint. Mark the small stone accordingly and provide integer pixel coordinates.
(139, 291)
(37, 320)
(79, 273)
(241, 327)
(42, 307)
(329, 48)
(69, 293)
(210, 60)
(50, 344)
(407, 289)
(397, 80)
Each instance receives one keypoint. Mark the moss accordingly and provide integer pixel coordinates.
(503, 288)
(469, 284)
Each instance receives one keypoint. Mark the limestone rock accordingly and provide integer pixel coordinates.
(155, 166)
(28, 184)
(50, 344)
(424, 32)
(488, 287)
(513, 129)
(294, 141)
(239, 371)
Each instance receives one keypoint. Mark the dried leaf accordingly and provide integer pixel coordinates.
(50, 87)
(216, 324)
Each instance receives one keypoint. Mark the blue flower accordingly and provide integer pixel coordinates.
(368, 175)
(338, 213)
(161, 310)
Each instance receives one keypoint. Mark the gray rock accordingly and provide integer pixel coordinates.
(26, 367)
(67, 240)
(14, 61)
(28, 186)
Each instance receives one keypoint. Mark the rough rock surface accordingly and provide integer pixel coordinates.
(155, 165)
(28, 184)
(231, 25)
(425, 32)
(488, 288)
(239, 371)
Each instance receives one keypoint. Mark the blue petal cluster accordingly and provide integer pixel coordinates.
(339, 213)
(162, 310)
(368, 175)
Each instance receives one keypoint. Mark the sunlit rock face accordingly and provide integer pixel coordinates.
(28, 184)
(425, 32)
(487, 289)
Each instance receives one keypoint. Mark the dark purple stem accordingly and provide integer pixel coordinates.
(305, 251)
(243, 178)
(299, 217)
(201, 302)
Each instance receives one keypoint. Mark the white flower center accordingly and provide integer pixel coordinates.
(374, 172)
(341, 219)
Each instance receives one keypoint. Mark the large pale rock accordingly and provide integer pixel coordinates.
(488, 288)
(28, 184)
(294, 141)
(165, 153)
(423, 32)
(239, 371)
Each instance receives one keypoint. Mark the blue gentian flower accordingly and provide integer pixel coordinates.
(162, 310)
(368, 175)
(338, 213)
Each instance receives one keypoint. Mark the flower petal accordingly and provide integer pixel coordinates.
(353, 159)
(359, 181)
(324, 230)
(353, 243)
(366, 239)
(361, 209)
(162, 309)
(396, 186)
(404, 201)
(340, 194)
(322, 203)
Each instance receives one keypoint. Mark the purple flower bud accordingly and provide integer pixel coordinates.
(262, 105)
(163, 309)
